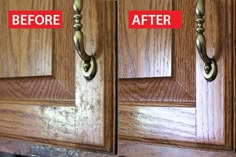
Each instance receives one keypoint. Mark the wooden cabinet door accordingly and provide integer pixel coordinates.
(163, 95)
(44, 97)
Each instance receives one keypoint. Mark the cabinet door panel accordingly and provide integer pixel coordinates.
(153, 107)
(65, 109)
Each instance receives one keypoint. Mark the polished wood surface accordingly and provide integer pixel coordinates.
(59, 87)
(177, 90)
(25, 52)
(209, 122)
(126, 149)
(143, 52)
(214, 100)
(90, 122)
(157, 123)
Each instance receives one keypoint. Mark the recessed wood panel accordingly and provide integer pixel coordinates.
(25, 52)
(144, 53)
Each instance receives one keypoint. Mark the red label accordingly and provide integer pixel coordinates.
(35, 19)
(155, 19)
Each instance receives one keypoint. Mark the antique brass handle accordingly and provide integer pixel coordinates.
(88, 64)
(210, 66)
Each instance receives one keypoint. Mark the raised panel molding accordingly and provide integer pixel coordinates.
(177, 90)
(48, 49)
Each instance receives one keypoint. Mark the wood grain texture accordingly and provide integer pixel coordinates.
(126, 149)
(155, 91)
(45, 90)
(214, 100)
(180, 87)
(143, 52)
(25, 52)
(157, 123)
(213, 119)
(91, 122)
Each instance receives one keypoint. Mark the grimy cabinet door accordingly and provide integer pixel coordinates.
(44, 97)
(164, 97)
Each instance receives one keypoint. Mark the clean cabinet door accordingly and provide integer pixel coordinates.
(44, 97)
(163, 95)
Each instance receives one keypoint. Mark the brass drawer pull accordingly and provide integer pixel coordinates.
(88, 64)
(210, 66)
